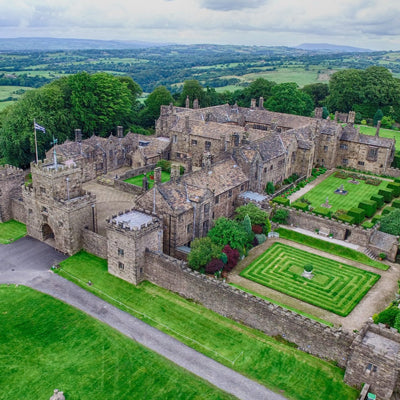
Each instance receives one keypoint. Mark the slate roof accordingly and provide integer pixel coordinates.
(351, 134)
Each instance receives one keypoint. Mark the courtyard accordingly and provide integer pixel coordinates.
(138, 180)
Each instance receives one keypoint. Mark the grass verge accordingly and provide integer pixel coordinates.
(331, 248)
(313, 317)
(335, 287)
(11, 231)
(47, 344)
(298, 375)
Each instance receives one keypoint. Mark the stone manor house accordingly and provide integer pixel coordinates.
(229, 154)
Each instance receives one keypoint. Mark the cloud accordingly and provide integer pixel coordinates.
(229, 5)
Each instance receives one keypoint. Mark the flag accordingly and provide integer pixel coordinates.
(39, 127)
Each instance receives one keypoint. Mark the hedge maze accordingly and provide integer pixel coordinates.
(335, 287)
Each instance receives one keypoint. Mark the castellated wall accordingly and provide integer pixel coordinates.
(94, 243)
(11, 181)
(311, 336)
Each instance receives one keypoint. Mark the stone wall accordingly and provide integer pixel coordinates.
(394, 172)
(127, 187)
(94, 243)
(18, 210)
(11, 181)
(137, 171)
(311, 336)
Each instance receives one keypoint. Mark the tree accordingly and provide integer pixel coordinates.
(226, 231)
(280, 216)
(390, 223)
(270, 188)
(378, 116)
(160, 96)
(192, 89)
(256, 215)
(287, 98)
(318, 92)
(202, 251)
(233, 257)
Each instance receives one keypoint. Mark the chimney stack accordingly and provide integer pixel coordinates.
(78, 135)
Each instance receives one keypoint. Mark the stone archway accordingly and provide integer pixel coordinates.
(47, 233)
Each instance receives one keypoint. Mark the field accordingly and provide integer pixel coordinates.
(46, 344)
(356, 193)
(248, 351)
(335, 286)
(8, 92)
(11, 231)
(138, 180)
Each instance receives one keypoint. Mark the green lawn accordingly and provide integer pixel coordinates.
(335, 287)
(249, 351)
(46, 344)
(356, 193)
(11, 231)
(331, 248)
(386, 133)
(138, 180)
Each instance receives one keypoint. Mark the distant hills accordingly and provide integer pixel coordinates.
(331, 48)
(49, 44)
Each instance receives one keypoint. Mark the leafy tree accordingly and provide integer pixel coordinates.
(233, 257)
(203, 250)
(325, 113)
(387, 122)
(287, 98)
(378, 116)
(194, 90)
(226, 231)
(270, 188)
(387, 316)
(160, 96)
(318, 92)
(280, 216)
(390, 223)
(256, 215)
(214, 266)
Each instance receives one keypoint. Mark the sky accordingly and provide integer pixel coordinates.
(372, 24)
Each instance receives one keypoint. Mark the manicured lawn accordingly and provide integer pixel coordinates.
(11, 231)
(331, 248)
(46, 344)
(335, 287)
(356, 193)
(138, 180)
(250, 352)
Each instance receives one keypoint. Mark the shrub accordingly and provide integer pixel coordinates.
(387, 316)
(373, 181)
(256, 214)
(308, 267)
(388, 210)
(165, 165)
(396, 203)
(325, 212)
(280, 216)
(369, 206)
(281, 200)
(395, 187)
(270, 189)
(391, 223)
(382, 256)
(367, 225)
(345, 218)
(357, 213)
(233, 257)
(341, 175)
(261, 238)
(227, 231)
(214, 265)
(257, 229)
(376, 218)
(300, 206)
(202, 252)
(379, 200)
(387, 195)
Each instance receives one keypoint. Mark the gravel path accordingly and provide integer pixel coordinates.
(27, 262)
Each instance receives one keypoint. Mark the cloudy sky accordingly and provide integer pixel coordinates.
(372, 24)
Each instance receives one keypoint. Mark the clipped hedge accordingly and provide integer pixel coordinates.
(395, 187)
(397, 180)
(378, 199)
(367, 225)
(325, 212)
(298, 205)
(388, 210)
(345, 218)
(358, 214)
(376, 219)
(396, 203)
(369, 206)
(281, 200)
(387, 195)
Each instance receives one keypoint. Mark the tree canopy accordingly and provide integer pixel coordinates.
(160, 96)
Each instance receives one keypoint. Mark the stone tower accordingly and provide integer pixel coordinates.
(11, 181)
(57, 208)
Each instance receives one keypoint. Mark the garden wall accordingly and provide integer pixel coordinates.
(311, 336)
(18, 210)
(127, 187)
(394, 172)
(137, 171)
(94, 243)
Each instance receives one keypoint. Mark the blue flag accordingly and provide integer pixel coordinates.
(40, 128)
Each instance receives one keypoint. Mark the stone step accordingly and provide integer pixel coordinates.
(370, 254)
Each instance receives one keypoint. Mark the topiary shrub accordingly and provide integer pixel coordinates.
(357, 213)
(300, 206)
(369, 206)
(261, 238)
(387, 210)
(395, 187)
(270, 188)
(378, 199)
(281, 216)
(281, 200)
(396, 203)
(367, 225)
(324, 212)
(387, 195)
(214, 266)
(308, 267)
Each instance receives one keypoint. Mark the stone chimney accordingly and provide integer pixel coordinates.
(196, 104)
(206, 162)
(261, 103)
(378, 127)
(175, 172)
(187, 103)
(253, 103)
(120, 131)
(187, 125)
(351, 118)
(157, 175)
(78, 135)
(318, 112)
(336, 116)
(236, 139)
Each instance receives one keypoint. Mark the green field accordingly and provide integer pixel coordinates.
(331, 248)
(386, 133)
(250, 352)
(47, 344)
(138, 180)
(11, 231)
(356, 193)
(335, 286)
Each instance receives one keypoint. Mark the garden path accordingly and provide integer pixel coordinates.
(378, 298)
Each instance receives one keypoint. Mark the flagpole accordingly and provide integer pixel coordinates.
(36, 151)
